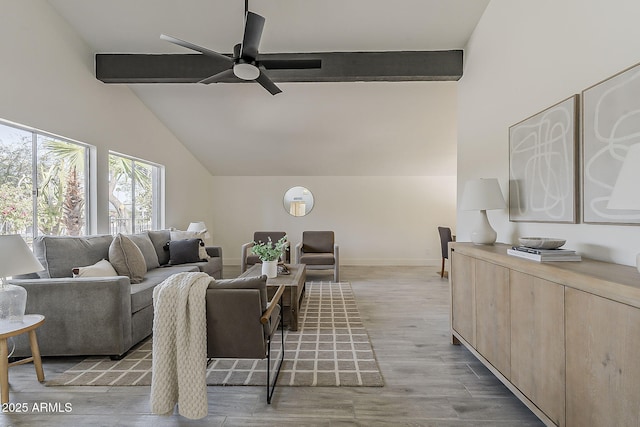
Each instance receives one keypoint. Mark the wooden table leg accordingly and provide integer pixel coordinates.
(35, 353)
(4, 370)
(293, 306)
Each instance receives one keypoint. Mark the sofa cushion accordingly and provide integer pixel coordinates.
(181, 235)
(142, 293)
(255, 282)
(211, 267)
(60, 254)
(253, 259)
(102, 268)
(184, 251)
(160, 238)
(317, 241)
(317, 259)
(127, 258)
(144, 243)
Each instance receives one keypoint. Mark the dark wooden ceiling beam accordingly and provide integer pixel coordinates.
(335, 67)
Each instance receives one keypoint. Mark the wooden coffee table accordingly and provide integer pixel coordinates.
(294, 291)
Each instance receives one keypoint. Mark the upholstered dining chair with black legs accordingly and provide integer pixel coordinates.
(445, 238)
(247, 259)
(241, 322)
(318, 251)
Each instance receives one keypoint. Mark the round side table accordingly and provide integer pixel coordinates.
(8, 329)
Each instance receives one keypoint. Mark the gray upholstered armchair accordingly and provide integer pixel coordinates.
(247, 259)
(241, 322)
(319, 252)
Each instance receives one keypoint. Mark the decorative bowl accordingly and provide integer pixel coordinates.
(541, 242)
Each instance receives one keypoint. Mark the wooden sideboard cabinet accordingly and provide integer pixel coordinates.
(493, 319)
(564, 337)
(537, 342)
(463, 297)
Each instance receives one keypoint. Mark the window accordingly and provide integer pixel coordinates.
(135, 201)
(43, 183)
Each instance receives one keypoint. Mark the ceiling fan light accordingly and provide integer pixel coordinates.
(246, 71)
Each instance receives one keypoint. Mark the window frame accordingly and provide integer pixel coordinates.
(88, 173)
(157, 191)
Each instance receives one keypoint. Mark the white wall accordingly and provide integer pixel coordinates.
(387, 220)
(47, 82)
(524, 56)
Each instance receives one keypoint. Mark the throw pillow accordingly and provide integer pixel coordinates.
(101, 268)
(143, 242)
(181, 235)
(160, 238)
(127, 259)
(184, 251)
(60, 254)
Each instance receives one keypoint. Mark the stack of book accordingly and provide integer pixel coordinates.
(542, 255)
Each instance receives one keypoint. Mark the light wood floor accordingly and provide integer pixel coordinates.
(428, 381)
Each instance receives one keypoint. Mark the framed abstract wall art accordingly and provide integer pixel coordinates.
(543, 165)
(610, 128)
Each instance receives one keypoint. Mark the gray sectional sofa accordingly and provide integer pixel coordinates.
(97, 315)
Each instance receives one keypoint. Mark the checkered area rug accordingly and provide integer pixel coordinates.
(331, 348)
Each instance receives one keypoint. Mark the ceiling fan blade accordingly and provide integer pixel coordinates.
(253, 26)
(195, 47)
(217, 77)
(268, 84)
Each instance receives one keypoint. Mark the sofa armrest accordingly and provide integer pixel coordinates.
(214, 251)
(244, 252)
(298, 252)
(286, 253)
(90, 316)
(272, 305)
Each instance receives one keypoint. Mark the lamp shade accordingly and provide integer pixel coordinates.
(482, 194)
(16, 257)
(199, 226)
(625, 194)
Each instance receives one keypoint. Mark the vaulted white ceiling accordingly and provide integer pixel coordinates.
(374, 128)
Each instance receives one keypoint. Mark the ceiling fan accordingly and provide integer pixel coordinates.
(244, 64)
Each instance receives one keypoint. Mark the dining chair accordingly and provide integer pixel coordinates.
(445, 238)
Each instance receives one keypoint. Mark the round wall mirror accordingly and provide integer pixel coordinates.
(298, 201)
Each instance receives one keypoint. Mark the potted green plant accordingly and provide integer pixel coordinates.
(269, 252)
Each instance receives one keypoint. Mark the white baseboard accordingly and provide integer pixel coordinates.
(415, 262)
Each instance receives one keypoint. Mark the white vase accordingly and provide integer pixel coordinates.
(270, 268)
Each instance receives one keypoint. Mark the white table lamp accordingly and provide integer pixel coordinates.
(199, 226)
(625, 194)
(480, 195)
(15, 258)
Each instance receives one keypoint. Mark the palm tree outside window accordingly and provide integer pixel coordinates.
(43, 183)
(134, 194)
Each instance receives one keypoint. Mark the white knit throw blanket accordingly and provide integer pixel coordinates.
(180, 346)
